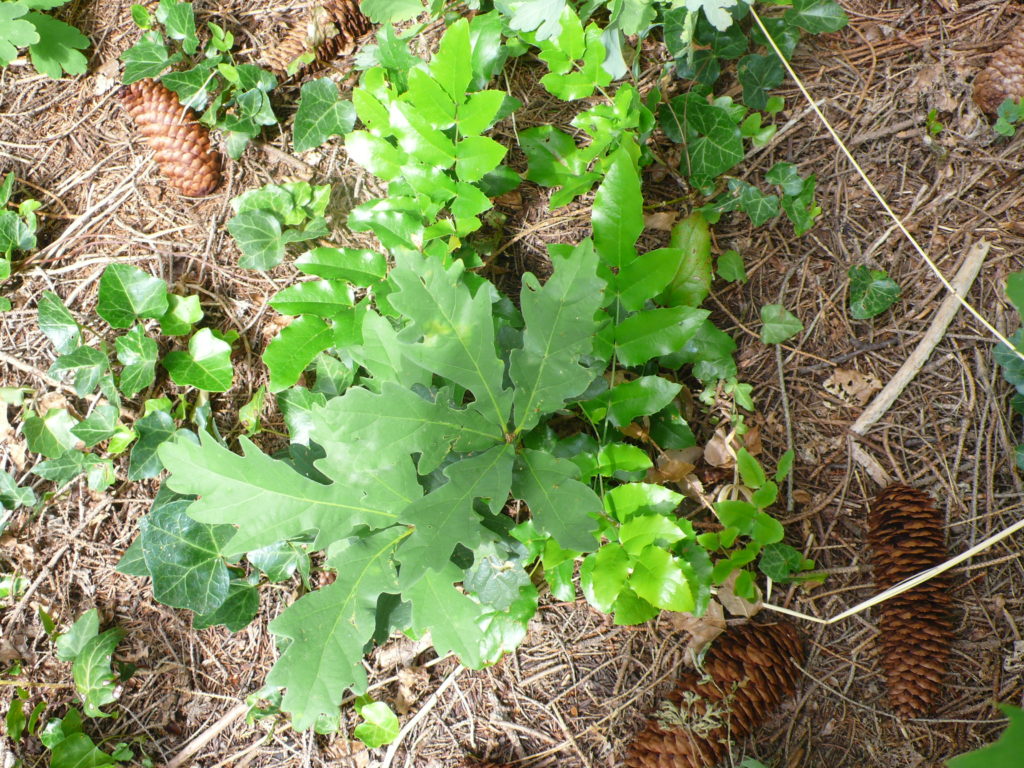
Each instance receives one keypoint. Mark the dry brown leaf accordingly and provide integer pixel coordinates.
(412, 681)
(852, 386)
(718, 452)
(734, 604)
(663, 220)
(702, 629)
(752, 441)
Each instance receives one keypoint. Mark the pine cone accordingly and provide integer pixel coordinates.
(332, 31)
(907, 535)
(1003, 78)
(183, 149)
(747, 673)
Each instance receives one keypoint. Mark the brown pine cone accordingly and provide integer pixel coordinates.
(332, 31)
(1003, 78)
(183, 149)
(907, 535)
(747, 673)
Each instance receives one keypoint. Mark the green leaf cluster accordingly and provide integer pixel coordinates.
(127, 298)
(232, 97)
(53, 45)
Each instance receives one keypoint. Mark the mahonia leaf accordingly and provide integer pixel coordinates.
(618, 210)
(446, 516)
(231, 487)
(452, 333)
(560, 504)
(560, 325)
(328, 628)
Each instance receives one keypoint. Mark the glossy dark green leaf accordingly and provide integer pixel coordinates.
(127, 293)
(206, 364)
(86, 363)
(153, 429)
(294, 348)
(58, 323)
(184, 557)
(872, 292)
(322, 113)
(137, 354)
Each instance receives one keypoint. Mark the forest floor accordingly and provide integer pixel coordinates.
(577, 690)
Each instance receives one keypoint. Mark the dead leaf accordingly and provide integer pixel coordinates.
(718, 452)
(50, 400)
(412, 681)
(734, 604)
(852, 386)
(663, 220)
(702, 629)
(752, 441)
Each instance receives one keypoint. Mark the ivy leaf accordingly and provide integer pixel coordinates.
(258, 234)
(94, 678)
(328, 628)
(560, 505)
(182, 313)
(51, 434)
(206, 365)
(714, 143)
(560, 325)
(100, 425)
(11, 495)
(872, 292)
(147, 58)
(71, 643)
(446, 517)
(65, 467)
(298, 406)
(184, 557)
(618, 211)
(758, 74)
(154, 429)
(179, 20)
(452, 334)
(59, 46)
(816, 16)
(322, 113)
(236, 612)
(380, 724)
(137, 353)
(294, 348)
(58, 323)
(127, 293)
(88, 365)
(779, 324)
(230, 486)
(656, 332)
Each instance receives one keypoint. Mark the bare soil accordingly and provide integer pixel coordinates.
(579, 688)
